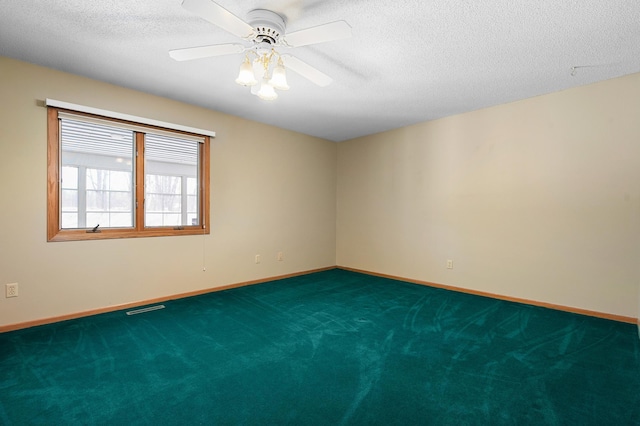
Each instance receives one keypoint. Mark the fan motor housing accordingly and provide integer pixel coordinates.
(269, 26)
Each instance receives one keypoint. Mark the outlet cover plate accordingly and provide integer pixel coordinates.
(11, 290)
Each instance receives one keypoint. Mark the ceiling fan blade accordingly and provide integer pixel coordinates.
(337, 30)
(205, 51)
(218, 15)
(307, 71)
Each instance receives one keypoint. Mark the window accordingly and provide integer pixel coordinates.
(111, 178)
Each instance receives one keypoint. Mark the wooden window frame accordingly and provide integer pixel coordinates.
(54, 230)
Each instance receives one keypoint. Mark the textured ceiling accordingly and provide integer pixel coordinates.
(407, 62)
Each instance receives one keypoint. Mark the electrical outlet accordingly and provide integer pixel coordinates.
(449, 264)
(11, 290)
(257, 258)
(280, 256)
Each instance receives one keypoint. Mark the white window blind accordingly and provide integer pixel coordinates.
(127, 117)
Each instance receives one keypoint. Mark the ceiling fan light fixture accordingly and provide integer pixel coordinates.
(266, 31)
(267, 91)
(279, 78)
(245, 76)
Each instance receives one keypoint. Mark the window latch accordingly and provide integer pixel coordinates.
(94, 230)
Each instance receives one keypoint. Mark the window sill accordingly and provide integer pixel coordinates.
(106, 234)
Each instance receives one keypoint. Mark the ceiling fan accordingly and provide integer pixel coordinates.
(264, 34)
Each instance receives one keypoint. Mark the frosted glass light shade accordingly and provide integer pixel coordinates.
(266, 91)
(245, 76)
(279, 78)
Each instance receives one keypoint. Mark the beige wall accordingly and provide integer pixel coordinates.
(537, 199)
(272, 190)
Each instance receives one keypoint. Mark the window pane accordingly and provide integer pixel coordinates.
(171, 219)
(153, 203)
(120, 181)
(97, 162)
(172, 203)
(153, 219)
(192, 204)
(97, 200)
(69, 177)
(120, 201)
(171, 181)
(94, 219)
(120, 220)
(97, 179)
(152, 184)
(192, 186)
(69, 200)
(170, 185)
(69, 220)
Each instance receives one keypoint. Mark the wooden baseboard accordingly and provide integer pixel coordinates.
(597, 314)
(43, 321)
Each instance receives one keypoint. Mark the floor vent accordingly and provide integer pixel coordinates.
(143, 310)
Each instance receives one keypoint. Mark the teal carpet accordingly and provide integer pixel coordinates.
(330, 348)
